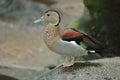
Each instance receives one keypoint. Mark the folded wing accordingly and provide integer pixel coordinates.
(81, 38)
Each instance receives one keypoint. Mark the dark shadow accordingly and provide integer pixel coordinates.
(91, 56)
(79, 65)
(86, 59)
(94, 56)
(4, 77)
(71, 69)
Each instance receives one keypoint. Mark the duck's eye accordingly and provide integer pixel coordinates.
(48, 14)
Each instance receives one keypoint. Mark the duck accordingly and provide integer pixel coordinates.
(66, 41)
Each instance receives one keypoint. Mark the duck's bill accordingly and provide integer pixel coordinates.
(39, 20)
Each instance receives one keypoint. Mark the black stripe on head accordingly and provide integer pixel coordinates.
(52, 10)
(57, 13)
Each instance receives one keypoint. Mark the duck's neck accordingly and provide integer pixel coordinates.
(51, 35)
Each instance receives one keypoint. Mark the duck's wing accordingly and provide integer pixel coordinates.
(81, 38)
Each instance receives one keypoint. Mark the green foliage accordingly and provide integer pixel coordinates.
(82, 23)
(74, 24)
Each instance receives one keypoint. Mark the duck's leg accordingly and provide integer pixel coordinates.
(72, 61)
(67, 64)
(66, 61)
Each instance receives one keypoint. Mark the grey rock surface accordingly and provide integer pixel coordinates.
(103, 69)
(95, 70)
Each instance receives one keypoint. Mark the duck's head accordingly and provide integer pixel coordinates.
(51, 16)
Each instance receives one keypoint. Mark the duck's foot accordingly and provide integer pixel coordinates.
(67, 65)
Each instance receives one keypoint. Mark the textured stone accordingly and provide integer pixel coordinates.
(85, 71)
(102, 69)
